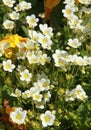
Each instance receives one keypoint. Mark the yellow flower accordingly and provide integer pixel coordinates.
(14, 40)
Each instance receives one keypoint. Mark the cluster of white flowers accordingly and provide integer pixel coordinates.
(43, 37)
(70, 13)
(62, 59)
(40, 92)
(31, 50)
(37, 57)
(77, 93)
(81, 61)
(14, 15)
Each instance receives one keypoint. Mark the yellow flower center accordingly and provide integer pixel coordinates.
(32, 20)
(18, 116)
(78, 92)
(36, 96)
(44, 40)
(47, 118)
(7, 66)
(25, 76)
(68, 11)
(44, 84)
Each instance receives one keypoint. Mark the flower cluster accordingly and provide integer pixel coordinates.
(78, 93)
(45, 74)
(40, 92)
(62, 59)
(70, 11)
(15, 13)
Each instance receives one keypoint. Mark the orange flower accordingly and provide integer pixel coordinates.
(14, 40)
(7, 107)
(8, 53)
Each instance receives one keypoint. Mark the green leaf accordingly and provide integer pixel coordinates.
(25, 30)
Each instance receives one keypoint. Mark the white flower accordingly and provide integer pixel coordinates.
(32, 58)
(37, 97)
(85, 2)
(42, 75)
(8, 66)
(79, 88)
(21, 55)
(47, 118)
(17, 93)
(46, 30)
(45, 42)
(9, 3)
(86, 10)
(29, 45)
(32, 21)
(18, 116)
(33, 90)
(40, 104)
(75, 23)
(8, 24)
(77, 60)
(88, 60)
(44, 84)
(47, 96)
(17, 8)
(42, 59)
(25, 75)
(70, 95)
(71, 2)
(82, 96)
(68, 11)
(26, 94)
(34, 35)
(74, 43)
(21, 68)
(61, 58)
(23, 5)
(80, 93)
(14, 15)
